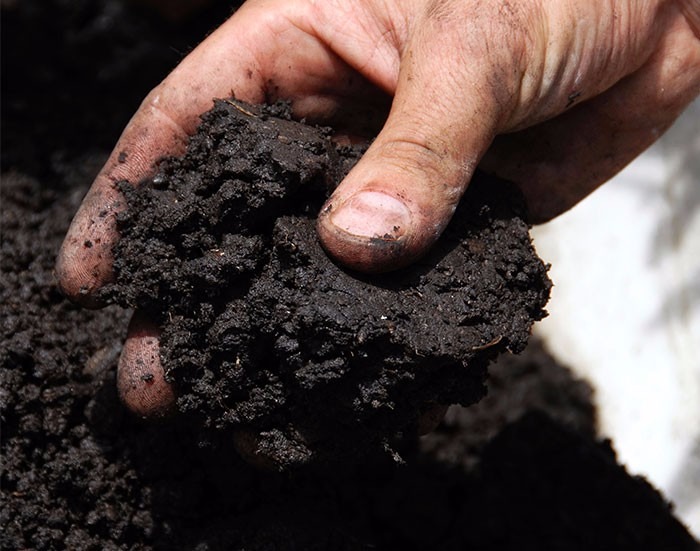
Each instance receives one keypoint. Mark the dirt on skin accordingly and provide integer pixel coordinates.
(263, 333)
(519, 470)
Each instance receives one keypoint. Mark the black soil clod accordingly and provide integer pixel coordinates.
(262, 332)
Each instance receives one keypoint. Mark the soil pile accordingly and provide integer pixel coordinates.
(519, 470)
(261, 331)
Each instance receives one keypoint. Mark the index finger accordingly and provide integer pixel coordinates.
(221, 64)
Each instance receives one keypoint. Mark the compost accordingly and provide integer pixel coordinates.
(263, 333)
(522, 468)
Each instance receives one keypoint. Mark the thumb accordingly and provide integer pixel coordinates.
(397, 200)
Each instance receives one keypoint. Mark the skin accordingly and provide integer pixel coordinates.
(557, 96)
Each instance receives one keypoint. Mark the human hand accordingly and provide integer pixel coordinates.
(554, 96)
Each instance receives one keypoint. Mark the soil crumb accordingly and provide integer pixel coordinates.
(263, 333)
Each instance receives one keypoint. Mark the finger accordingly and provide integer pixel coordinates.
(561, 161)
(397, 200)
(140, 377)
(84, 262)
(243, 57)
(159, 128)
(512, 66)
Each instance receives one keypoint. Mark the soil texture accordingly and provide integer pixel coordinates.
(521, 469)
(263, 333)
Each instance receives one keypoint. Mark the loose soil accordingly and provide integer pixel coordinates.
(263, 333)
(521, 469)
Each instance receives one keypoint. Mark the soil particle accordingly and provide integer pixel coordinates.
(263, 333)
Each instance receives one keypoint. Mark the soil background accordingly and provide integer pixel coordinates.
(522, 469)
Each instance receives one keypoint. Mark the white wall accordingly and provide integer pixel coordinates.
(625, 309)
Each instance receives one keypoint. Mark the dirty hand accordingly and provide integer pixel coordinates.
(556, 96)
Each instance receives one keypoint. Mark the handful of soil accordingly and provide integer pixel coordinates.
(264, 335)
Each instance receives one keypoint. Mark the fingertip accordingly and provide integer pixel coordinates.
(371, 231)
(84, 261)
(140, 376)
(75, 281)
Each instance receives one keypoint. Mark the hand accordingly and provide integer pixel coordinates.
(556, 96)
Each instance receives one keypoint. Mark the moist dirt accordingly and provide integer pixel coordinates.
(263, 333)
(522, 468)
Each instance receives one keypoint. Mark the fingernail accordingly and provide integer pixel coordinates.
(372, 214)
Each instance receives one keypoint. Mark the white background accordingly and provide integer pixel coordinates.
(625, 310)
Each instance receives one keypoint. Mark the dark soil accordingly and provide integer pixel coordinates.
(262, 332)
(522, 469)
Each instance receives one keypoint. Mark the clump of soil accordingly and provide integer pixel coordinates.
(261, 331)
